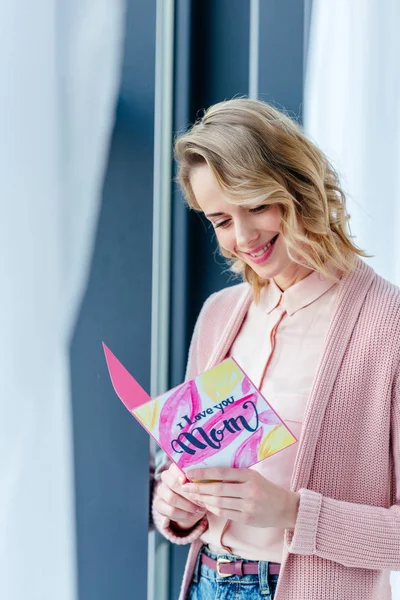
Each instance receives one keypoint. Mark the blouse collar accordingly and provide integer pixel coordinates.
(299, 295)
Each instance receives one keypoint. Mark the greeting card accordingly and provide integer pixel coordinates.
(217, 419)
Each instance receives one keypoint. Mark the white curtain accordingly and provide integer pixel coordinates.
(60, 70)
(352, 111)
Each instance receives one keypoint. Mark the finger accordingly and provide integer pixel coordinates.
(232, 490)
(179, 475)
(220, 474)
(169, 479)
(169, 483)
(232, 515)
(173, 477)
(166, 510)
(175, 500)
(223, 503)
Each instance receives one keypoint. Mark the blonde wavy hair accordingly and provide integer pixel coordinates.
(260, 156)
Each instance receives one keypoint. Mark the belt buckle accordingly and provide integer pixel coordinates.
(224, 561)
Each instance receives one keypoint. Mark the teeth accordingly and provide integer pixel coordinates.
(260, 252)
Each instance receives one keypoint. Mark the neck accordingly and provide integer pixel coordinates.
(286, 280)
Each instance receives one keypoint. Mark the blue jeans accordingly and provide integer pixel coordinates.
(208, 585)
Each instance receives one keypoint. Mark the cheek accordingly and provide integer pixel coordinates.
(272, 221)
(226, 239)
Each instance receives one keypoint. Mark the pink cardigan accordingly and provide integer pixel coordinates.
(347, 469)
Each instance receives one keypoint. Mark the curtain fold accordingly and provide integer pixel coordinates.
(352, 111)
(60, 65)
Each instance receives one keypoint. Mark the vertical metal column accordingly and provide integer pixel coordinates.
(158, 585)
(254, 48)
(307, 25)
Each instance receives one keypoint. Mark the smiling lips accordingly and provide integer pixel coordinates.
(264, 252)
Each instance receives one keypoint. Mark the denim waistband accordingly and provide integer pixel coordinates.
(204, 570)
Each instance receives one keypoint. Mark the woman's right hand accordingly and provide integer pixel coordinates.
(170, 500)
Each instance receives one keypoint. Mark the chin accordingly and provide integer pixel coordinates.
(266, 271)
(266, 274)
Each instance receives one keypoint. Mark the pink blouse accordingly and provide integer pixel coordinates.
(279, 346)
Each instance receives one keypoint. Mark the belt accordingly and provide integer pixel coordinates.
(227, 568)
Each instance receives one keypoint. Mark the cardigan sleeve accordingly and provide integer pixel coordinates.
(165, 526)
(162, 523)
(354, 535)
(194, 366)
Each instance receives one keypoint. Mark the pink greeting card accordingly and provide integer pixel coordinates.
(218, 419)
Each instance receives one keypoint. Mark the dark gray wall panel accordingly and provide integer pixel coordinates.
(282, 53)
(220, 70)
(111, 449)
(220, 51)
(179, 210)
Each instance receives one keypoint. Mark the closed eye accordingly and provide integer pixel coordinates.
(260, 208)
(221, 223)
(257, 209)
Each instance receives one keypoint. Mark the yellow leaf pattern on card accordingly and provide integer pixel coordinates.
(220, 381)
(277, 439)
(148, 414)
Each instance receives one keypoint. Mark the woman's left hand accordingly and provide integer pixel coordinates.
(243, 495)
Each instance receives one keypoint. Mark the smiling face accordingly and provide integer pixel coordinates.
(251, 234)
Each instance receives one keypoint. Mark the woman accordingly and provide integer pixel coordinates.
(318, 331)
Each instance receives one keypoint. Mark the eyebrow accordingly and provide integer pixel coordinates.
(218, 214)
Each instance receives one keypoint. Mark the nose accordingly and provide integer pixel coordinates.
(246, 234)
